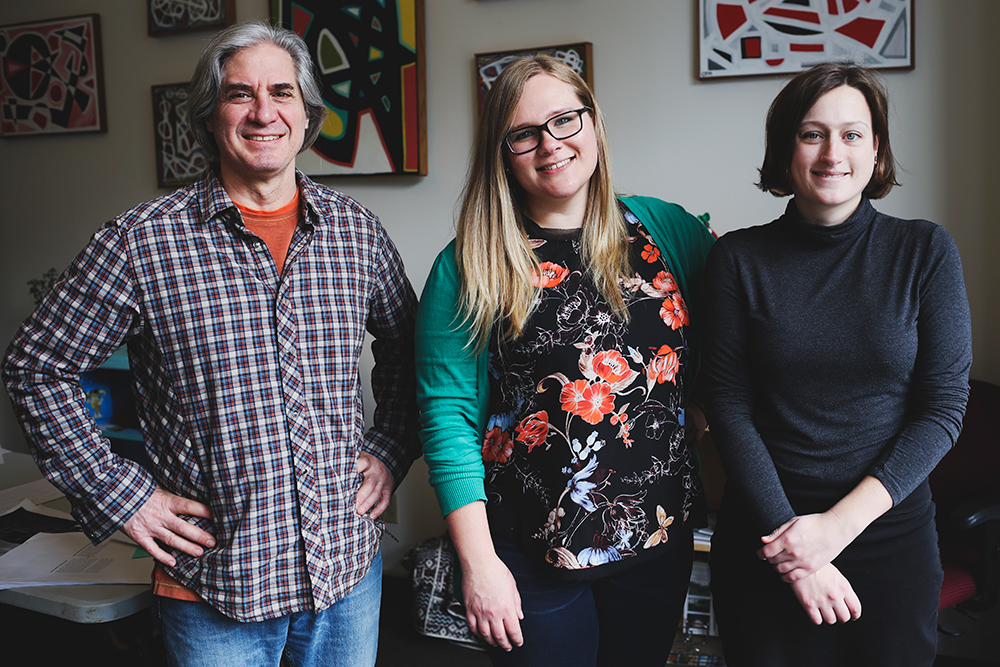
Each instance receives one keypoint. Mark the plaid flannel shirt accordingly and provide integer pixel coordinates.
(247, 386)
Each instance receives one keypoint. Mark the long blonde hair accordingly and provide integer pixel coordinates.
(494, 258)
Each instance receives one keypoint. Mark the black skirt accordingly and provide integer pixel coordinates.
(894, 567)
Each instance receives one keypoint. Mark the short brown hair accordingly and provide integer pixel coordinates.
(794, 102)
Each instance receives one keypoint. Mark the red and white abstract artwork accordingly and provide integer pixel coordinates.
(748, 37)
(51, 78)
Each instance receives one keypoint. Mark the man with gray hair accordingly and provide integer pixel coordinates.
(243, 299)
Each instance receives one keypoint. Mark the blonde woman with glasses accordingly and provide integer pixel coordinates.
(556, 355)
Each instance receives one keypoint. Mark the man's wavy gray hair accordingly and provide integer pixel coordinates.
(206, 84)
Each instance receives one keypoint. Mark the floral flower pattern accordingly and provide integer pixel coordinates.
(589, 401)
(665, 282)
(664, 366)
(674, 311)
(497, 446)
(582, 396)
(533, 429)
(549, 274)
(612, 367)
(580, 487)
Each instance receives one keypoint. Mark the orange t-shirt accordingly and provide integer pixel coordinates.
(275, 228)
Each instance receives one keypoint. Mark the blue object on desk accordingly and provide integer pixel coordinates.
(99, 401)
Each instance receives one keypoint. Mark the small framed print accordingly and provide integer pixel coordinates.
(179, 158)
(52, 77)
(169, 17)
(489, 65)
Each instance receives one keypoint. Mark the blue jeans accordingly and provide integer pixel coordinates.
(625, 618)
(344, 634)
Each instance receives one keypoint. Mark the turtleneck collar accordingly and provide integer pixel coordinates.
(851, 228)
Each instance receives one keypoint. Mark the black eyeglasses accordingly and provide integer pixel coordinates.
(563, 126)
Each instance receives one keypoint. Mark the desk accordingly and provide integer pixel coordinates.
(96, 603)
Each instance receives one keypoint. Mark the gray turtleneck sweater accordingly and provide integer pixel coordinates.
(833, 353)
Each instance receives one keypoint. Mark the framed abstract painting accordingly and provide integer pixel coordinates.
(52, 77)
(751, 37)
(370, 59)
(489, 65)
(168, 17)
(179, 158)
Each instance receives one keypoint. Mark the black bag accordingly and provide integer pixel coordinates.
(436, 612)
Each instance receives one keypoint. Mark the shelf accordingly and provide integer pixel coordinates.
(119, 433)
(118, 360)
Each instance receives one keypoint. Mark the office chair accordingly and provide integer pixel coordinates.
(966, 489)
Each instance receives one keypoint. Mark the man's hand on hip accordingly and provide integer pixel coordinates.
(159, 519)
(376, 489)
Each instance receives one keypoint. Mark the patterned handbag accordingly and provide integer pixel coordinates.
(436, 612)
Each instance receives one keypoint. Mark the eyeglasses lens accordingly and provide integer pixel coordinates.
(562, 126)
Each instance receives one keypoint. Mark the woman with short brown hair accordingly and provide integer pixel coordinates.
(837, 359)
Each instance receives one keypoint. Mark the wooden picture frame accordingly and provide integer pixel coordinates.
(579, 56)
(180, 159)
(170, 17)
(747, 38)
(370, 58)
(52, 77)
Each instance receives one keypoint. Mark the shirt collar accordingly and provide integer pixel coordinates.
(214, 203)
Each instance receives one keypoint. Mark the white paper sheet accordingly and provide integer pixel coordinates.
(38, 492)
(69, 558)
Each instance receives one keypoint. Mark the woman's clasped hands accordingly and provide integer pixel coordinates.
(801, 551)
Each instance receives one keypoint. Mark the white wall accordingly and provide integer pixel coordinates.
(702, 151)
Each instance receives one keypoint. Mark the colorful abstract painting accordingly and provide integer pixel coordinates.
(369, 54)
(179, 158)
(489, 65)
(165, 17)
(746, 37)
(51, 77)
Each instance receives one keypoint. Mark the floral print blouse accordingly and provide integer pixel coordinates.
(584, 449)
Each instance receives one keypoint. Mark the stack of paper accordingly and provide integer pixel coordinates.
(50, 558)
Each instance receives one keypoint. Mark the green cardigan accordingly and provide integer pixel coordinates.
(453, 389)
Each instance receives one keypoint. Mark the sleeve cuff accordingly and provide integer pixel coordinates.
(459, 493)
(110, 506)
